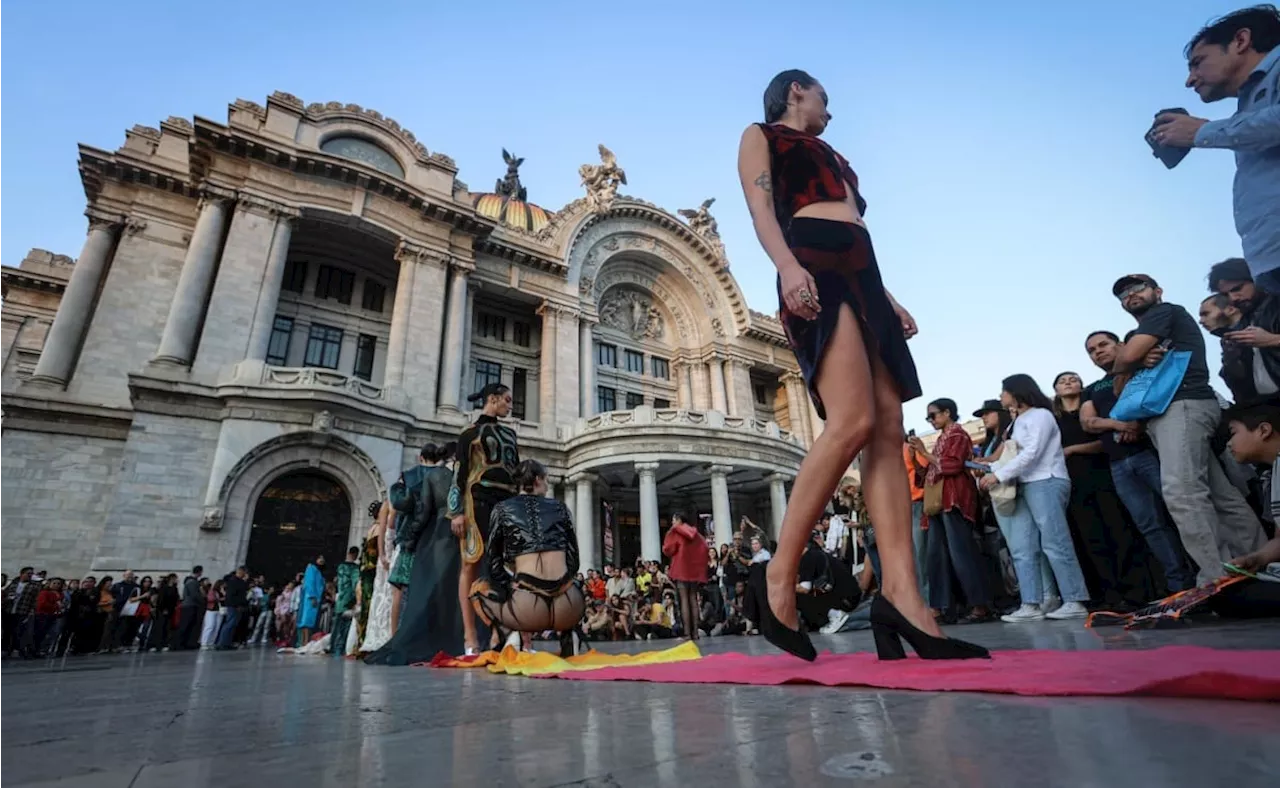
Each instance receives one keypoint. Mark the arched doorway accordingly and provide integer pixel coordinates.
(299, 516)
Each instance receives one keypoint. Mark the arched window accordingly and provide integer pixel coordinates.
(362, 150)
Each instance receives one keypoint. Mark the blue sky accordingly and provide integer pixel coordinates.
(999, 144)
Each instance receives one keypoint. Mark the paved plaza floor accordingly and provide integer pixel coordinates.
(254, 718)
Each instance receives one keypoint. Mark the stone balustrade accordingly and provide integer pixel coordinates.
(311, 377)
(674, 417)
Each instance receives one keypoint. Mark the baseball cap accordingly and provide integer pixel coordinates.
(1129, 280)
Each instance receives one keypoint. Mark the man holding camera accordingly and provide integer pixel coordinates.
(1237, 57)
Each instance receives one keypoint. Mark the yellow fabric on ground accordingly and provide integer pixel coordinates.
(523, 663)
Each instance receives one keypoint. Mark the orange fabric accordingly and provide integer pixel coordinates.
(917, 492)
(544, 663)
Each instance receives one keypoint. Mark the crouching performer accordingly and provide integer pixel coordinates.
(533, 561)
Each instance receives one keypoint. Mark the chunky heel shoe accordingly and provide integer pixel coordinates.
(890, 627)
(793, 641)
(888, 644)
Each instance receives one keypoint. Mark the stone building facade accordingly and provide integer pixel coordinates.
(270, 316)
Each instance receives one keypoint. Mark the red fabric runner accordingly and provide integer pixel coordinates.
(1171, 671)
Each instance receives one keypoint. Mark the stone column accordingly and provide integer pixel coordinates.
(684, 386)
(796, 405)
(720, 511)
(586, 370)
(650, 527)
(547, 365)
(465, 379)
(778, 501)
(742, 395)
(569, 494)
(455, 332)
(272, 279)
(585, 520)
(719, 400)
(63, 341)
(177, 344)
(397, 340)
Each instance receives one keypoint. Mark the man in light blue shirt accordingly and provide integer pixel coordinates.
(1238, 56)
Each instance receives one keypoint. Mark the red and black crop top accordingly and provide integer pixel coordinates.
(806, 170)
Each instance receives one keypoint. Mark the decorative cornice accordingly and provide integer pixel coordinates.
(134, 225)
(318, 111)
(214, 193)
(178, 125)
(103, 220)
(409, 252)
(265, 206)
(552, 308)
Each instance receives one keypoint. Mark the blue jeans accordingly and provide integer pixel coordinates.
(230, 618)
(920, 544)
(1039, 527)
(1048, 587)
(953, 553)
(1137, 481)
(1268, 281)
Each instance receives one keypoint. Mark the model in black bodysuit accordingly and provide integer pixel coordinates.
(483, 477)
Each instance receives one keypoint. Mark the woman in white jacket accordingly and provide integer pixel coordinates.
(1039, 520)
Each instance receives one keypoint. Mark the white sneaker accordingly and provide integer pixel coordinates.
(515, 641)
(1024, 614)
(469, 651)
(1068, 611)
(1051, 603)
(833, 626)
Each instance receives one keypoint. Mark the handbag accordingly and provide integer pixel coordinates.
(1149, 393)
(933, 499)
(1004, 496)
(130, 609)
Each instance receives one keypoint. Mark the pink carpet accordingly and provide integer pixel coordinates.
(1171, 671)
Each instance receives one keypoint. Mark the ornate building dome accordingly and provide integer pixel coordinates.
(508, 202)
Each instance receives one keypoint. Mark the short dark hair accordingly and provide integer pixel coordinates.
(775, 96)
(527, 474)
(1262, 21)
(490, 390)
(1025, 391)
(1107, 334)
(1253, 413)
(948, 405)
(197, 569)
(353, 550)
(26, 569)
(680, 516)
(1219, 300)
(1233, 269)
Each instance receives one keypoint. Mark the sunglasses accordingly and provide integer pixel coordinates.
(1132, 290)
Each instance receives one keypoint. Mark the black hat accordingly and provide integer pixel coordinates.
(988, 406)
(1131, 279)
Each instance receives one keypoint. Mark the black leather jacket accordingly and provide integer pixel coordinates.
(1237, 360)
(527, 524)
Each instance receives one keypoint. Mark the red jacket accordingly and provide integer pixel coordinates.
(959, 491)
(687, 549)
(49, 602)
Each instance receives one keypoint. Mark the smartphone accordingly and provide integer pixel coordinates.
(1238, 571)
(1168, 155)
(911, 433)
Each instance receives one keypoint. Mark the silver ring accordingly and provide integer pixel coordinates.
(805, 296)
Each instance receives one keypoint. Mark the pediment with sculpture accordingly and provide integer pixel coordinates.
(632, 312)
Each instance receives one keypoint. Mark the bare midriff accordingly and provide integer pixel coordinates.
(544, 566)
(845, 210)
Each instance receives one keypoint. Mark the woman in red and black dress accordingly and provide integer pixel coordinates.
(807, 214)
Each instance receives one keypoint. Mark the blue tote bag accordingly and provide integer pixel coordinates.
(1149, 393)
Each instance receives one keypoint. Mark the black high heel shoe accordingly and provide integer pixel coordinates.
(793, 641)
(889, 627)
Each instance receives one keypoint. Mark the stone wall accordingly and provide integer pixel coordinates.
(124, 333)
(158, 505)
(57, 490)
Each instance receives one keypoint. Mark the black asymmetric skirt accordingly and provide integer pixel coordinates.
(842, 262)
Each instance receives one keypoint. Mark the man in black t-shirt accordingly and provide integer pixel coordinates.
(1212, 515)
(1134, 465)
